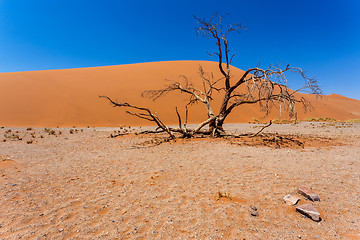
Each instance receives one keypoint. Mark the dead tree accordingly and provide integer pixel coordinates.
(266, 87)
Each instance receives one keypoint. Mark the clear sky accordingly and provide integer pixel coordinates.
(320, 36)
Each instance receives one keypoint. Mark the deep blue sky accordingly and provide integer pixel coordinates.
(320, 36)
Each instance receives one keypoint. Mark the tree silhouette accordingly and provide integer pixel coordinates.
(266, 87)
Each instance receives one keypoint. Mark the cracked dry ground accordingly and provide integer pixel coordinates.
(85, 185)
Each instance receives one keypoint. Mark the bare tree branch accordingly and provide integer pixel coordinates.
(268, 125)
(179, 118)
(148, 115)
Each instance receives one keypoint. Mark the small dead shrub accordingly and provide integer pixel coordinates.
(12, 136)
(256, 120)
(50, 131)
(220, 195)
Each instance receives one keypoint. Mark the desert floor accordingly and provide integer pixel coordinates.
(85, 185)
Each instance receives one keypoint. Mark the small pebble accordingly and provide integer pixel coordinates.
(254, 213)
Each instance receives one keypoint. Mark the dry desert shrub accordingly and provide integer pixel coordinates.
(74, 130)
(320, 119)
(12, 136)
(283, 121)
(50, 131)
(220, 195)
(353, 121)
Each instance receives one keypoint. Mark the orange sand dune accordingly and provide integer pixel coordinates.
(70, 97)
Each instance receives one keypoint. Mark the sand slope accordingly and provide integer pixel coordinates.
(70, 97)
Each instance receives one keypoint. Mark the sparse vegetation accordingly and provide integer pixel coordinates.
(353, 121)
(320, 119)
(12, 136)
(122, 131)
(283, 121)
(72, 131)
(50, 131)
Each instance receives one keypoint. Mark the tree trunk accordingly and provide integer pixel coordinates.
(217, 123)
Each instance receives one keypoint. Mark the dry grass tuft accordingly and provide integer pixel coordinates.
(353, 121)
(220, 195)
(320, 119)
(283, 121)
